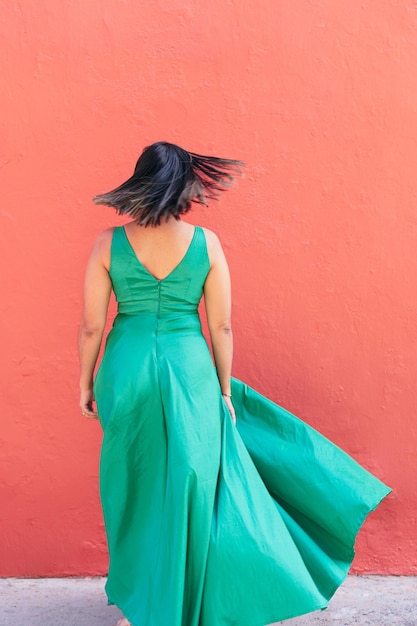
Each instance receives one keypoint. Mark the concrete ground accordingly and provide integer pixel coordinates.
(361, 600)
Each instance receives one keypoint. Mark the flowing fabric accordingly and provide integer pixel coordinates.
(210, 523)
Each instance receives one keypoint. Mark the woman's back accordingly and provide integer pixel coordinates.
(160, 249)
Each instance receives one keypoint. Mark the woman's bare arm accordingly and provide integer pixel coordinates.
(217, 297)
(97, 290)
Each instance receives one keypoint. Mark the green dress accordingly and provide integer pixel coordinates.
(210, 523)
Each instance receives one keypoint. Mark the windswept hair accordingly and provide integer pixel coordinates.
(166, 180)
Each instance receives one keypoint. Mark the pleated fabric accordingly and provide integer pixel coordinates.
(209, 523)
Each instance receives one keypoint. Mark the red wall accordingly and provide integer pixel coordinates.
(320, 99)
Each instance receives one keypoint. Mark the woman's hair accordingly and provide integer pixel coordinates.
(166, 180)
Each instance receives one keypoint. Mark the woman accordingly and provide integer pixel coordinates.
(211, 519)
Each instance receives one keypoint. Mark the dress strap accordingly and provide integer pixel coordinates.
(198, 256)
(117, 246)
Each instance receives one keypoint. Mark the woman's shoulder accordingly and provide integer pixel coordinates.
(102, 245)
(104, 237)
(214, 247)
(211, 237)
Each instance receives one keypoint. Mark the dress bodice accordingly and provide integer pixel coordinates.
(138, 291)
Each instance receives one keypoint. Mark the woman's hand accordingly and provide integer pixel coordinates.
(229, 405)
(86, 403)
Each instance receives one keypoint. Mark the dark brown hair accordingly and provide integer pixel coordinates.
(166, 180)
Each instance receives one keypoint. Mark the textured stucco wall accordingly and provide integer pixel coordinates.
(320, 99)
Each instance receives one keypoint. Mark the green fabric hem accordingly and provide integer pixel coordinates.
(317, 607)
(271, 620)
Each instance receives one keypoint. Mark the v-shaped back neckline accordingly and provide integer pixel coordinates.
(159, 280)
